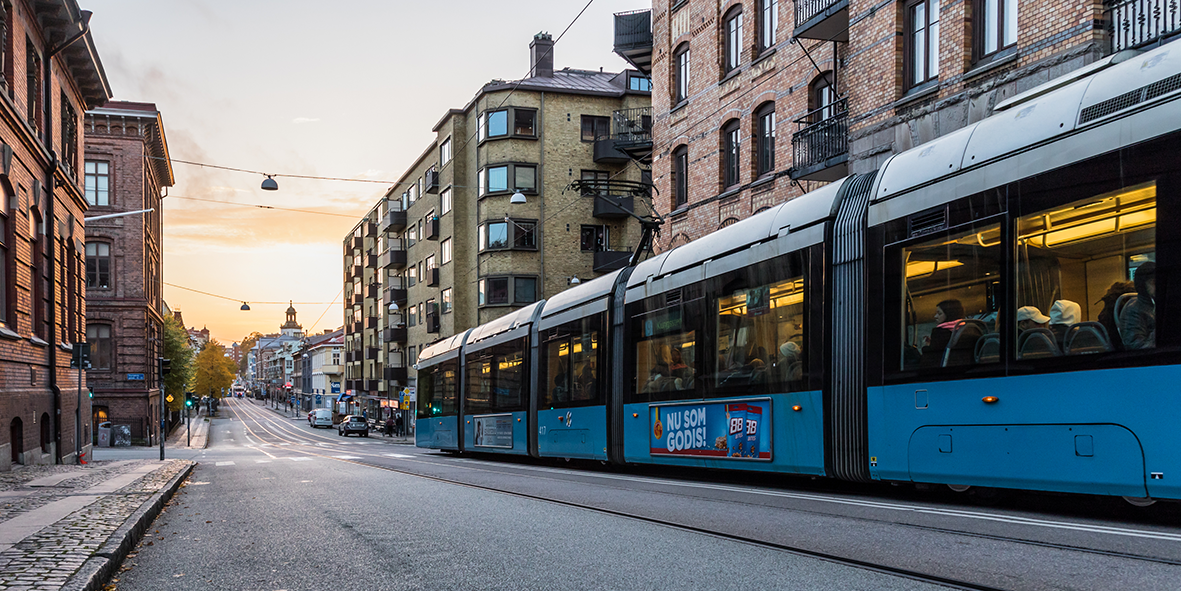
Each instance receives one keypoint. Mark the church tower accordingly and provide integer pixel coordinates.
(291, 328)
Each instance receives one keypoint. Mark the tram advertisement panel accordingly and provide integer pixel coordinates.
(494, 431)
(735, 430)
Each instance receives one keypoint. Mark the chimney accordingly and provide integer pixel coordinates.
(541, 56)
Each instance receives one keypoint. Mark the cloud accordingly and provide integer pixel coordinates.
(299, 120)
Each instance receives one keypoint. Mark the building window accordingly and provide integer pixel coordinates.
(730, 154)
(595, 128)
(445, 251)
(497, 235)
(640, 83)
(496, 179)
(69, 139)
(524, 122)
(99, 337)
(598, 176)
(821, 98)
(32, 85)
(446, 297)
(445, 152)
(593, 238)
(732, 43)
(412, 317)
(680, 176)
(994, 26)
(494, 291)
(765, 140)
(493, 124)
(445, 200)
(98, 265)
(768, 23)
(411, 276)
(680, 83)
(430, 262)
(922, 38)
(98, 180)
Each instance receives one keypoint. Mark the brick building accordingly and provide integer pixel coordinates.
(758, 101)
(450, 250)
(127, 168)
(50, 75)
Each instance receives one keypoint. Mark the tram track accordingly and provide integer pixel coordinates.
(284, 432)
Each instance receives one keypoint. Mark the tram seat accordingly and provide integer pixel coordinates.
(988, 348)
(961, 347)
(1121, 303)
(1037, 343)
(1087, 337)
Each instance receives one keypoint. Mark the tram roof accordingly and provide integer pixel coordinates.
(442, 347)
(587, 291)
(505, 323)
(1061, 111)
(779, 221)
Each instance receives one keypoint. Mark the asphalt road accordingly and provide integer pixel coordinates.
(274, 504)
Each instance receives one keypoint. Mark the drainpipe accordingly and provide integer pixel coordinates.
(50, 236)
(540, 227)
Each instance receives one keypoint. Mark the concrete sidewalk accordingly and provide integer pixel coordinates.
(200, 437)
(69, 527)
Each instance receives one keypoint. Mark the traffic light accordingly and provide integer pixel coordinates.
(90, 391)
(164, 365)
(188, 399)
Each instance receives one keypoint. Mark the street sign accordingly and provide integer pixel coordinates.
(135, 376)
(336, 387)
(169, 398)
(319, 398)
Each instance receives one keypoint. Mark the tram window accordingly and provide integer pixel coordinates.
(666, 345)
(437, 394)
(496, 379)
(1076, 268)
(951, 297)
(573, 358)
(760, 338)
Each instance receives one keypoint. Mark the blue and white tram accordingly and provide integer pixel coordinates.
(992, 308)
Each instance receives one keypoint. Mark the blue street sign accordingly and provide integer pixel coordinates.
(319, 398)
(135, 376)
(336, 387)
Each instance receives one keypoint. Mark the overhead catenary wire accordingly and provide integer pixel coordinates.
(214, 295)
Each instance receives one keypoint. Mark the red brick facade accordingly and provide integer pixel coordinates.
(884, 115)
(124, 306)
(48, 83)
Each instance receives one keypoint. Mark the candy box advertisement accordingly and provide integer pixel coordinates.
(739, 430)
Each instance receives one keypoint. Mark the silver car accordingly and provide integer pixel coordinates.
(353, 424)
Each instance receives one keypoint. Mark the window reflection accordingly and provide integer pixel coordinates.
(760, 335)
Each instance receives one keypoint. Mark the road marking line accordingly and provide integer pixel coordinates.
(262, 461)
(397, 455)
(300, 459)
(224, 464)
(347, 457)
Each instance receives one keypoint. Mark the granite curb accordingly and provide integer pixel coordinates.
(94, 574)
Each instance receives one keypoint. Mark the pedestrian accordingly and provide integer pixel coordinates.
(398, 424)
(389, 426)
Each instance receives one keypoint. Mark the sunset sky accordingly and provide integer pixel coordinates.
(349, 88)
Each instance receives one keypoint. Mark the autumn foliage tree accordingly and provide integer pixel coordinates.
(214, 372)
(178, 350)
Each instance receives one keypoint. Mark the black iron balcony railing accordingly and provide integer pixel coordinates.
(1136, 23)
(632, 125)
(822, 134)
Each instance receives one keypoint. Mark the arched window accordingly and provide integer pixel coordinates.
(680, 176)
(727, 223)
(732, 39)
(731, 152)
(765, 139)
(7, 263)
(16, 439)
(680, 83)
(768, 22)
(821, 97)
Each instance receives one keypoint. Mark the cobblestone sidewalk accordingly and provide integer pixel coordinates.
(79, 527)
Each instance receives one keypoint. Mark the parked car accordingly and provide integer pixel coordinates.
(353, 424)
(321, 417)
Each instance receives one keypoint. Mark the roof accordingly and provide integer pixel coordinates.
(156, 140)
(578, 81)
(62, 20)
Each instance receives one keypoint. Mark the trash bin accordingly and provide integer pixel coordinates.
(104, 434)
(121, 435)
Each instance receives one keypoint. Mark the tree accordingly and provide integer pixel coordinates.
(177, 349)
(245, 347)
(215, 371)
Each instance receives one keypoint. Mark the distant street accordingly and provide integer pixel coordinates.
(274, 504)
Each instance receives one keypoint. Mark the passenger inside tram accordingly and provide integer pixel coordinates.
(1138, 319)
(1063, 315)
(760, 334)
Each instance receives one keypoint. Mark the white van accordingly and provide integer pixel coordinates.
(321, 417)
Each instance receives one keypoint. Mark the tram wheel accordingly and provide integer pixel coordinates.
(959, 487)
(1140, 501)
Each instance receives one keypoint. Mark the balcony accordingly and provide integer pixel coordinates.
(633, 38)
(611, 260)
(372, 322)
(395, 293)
(820, 146)
(331, 370)
(357, 299)
(432, 323)
(396, 374)
(395, 219)
(372, 385)
(372, 353)
(431, 181)
(630, 139)
(827, 20)
(432, 277)
(370, 229)
(1134, 24)
(356, 243)
(395, 256)
(350, 356)
(396, 334)
(373, 291)
(613, 207)
(431, 229)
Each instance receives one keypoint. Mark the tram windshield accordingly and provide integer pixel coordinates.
(437, 395)
(952, 289)
(1077, 289)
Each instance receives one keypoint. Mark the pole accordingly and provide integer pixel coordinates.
(160, 372)
(189, 426)
(78, 415)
